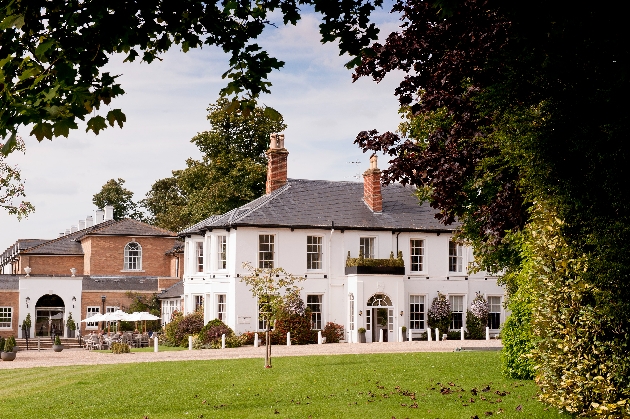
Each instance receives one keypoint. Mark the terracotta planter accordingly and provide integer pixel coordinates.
(7, 356)
(57, 348)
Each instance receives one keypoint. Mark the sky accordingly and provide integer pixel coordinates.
(165, 104)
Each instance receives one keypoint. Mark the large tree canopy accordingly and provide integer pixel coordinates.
(231, 173)
(517, 125)
(52, 51)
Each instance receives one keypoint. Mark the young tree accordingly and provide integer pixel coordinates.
(274, 289)
(12, 186)
(113, 193)
(232, 171)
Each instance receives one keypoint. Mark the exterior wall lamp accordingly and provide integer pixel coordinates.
(360, 312)
(401, 313)
(74, 300)
(28, 300)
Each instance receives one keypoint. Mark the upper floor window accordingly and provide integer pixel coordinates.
(222, 252)
(454, 256)
(133, 257)
(199, 256)
(417, 255)
(366, 247)
(266, 248)
(313, 252)
(6, 317)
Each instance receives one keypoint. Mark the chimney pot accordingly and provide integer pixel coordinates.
(89, 221)
(372, 186)
(73, 229)
(109, 212)
(81, 224)
(99, 214)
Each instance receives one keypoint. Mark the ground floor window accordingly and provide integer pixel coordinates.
(314, 302)
(416, 312)
(92, 311)
(263, 309)
(6, 314)
(198, 302)
(168, 308)
(494, 312)
(221, 304)
(457, 309)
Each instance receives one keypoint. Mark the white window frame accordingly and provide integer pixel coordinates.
(200, 259)
(91, 311)
(417, 308)
(132, 262)
(316, 315)
(263, 253)
(168, 308)
(367, 246)
(457, 311)
(417, 255)
(221, 252)
(6, 313)
(455, 257)
(197, 301)
(221, 307)
(499, 312)
(314, 253)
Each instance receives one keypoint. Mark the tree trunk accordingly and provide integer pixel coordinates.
(268, 346)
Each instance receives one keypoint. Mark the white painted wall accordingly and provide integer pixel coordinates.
(330, 281)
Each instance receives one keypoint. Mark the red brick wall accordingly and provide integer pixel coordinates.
(276, 169)
(107, 255)
(164, 283)
(52, 265)
(372, 189)
(11, 299)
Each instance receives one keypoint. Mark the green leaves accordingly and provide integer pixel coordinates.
(116, 116)
(96, 124)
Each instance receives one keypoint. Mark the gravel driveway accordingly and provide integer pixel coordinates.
(48, 358)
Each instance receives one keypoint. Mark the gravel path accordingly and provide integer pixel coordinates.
(48, 358)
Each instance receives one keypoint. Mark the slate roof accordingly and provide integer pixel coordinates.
(178, 247)
(14, 249)
(319, 203)
(120, 283)
(70, 244)
(9, 282)
(174, 291)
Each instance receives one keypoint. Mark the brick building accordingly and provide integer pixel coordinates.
(91, 268)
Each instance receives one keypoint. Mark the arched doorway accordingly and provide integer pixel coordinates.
(49, 314)
(380, 316)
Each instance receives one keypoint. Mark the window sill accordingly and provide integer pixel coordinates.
(132, 270)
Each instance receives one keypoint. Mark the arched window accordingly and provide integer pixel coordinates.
(133, 257)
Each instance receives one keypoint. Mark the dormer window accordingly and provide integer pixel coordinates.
(133, 257)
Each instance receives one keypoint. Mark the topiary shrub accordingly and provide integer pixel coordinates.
(57, 340)
(333, 332)
(120, 348)
(475, 329)
(440, 313)
(1, 344)
(9, 343)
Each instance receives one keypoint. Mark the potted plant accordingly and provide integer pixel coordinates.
(57, 347)
(26, 327)
(404, 332)
(71, 325)
(8, 354)
(361, 331)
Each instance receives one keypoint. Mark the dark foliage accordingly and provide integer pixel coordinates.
(213, 330)
(333, 332)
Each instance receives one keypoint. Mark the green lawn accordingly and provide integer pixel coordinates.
(418, 385)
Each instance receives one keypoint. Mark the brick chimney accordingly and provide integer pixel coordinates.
(372, 187)
(276, 163)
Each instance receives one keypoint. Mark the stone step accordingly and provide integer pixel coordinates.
(46, 343)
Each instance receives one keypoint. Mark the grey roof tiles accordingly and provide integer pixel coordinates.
(319, 203)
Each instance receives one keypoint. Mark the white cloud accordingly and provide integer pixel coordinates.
(165, 104)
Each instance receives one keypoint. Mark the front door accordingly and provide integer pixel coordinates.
(49, 321)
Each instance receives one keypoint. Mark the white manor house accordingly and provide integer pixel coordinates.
(309, 228)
